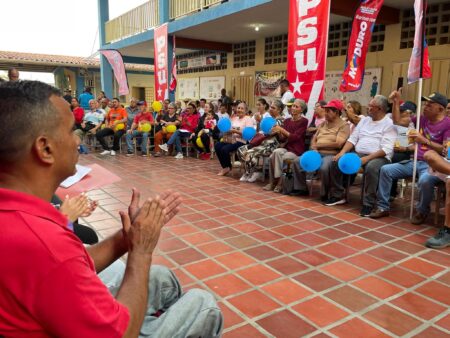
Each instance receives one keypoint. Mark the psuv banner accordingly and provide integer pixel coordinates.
(161, 63)
(307, 48)
(419, 64)
(116, 61)
(363, 23)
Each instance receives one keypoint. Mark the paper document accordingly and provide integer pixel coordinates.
(81, 172)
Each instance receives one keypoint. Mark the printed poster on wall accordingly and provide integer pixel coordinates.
(188, 88)
(210, 87)
(267, 83)
(370, 87)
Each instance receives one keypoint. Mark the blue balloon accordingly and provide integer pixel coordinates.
(310, 161)
(267, 124)
(248, 133)
(349, 163)
(224, 124)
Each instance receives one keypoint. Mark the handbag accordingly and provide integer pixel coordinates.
(257, 140)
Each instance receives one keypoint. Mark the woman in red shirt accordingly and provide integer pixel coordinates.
(78, 113)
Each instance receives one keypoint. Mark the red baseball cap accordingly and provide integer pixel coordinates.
(336, 104)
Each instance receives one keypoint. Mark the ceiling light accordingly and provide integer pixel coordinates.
(257, 28)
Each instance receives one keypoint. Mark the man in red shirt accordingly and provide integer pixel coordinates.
(115, 124)
(140, 128)
(48, 278)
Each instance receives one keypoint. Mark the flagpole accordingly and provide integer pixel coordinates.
(419, 106)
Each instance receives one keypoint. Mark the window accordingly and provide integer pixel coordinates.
(275, 49)
(244, 54)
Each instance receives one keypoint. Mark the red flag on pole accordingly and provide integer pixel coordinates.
(161, 63)
(307, 48)
(363, 22)
(419, 64)
(173, 81)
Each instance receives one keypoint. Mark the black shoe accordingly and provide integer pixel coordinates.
(299, 193)
(391, 198)
(324, 199)
(365, 211)
(335, 201)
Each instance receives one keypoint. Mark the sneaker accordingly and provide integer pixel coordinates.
(144, 155)
(378, 213)
(299, 193)
(255, 176)
(178, 156)
(164, 147)
(418, 218)
(105, 152)
(130, 153)
(244, 178)
(157, 154)
(365, 211)
(335, 201)
(324, 199)
(113, 153)
(441, 240)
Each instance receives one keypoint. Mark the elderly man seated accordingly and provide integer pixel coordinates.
(434, 130)
(141, 127)
(49, 281)
(92, 120)
(373, 140)
(329, 139)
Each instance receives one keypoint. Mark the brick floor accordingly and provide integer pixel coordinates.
(284, 266)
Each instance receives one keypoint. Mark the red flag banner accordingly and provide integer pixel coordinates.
(173, 81)
(363, 22)
(420, 50)
(161, 63)
(307, 48)
(115, 60)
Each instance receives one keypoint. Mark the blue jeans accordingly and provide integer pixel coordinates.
(402, 170)
(135, 133)
(176, 138)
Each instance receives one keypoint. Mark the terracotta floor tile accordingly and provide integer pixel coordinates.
(252, 215)
(376, 237)
(230, 317)
(266, 236)
(227, 285)
(215, 248)
(357, 243)
(350, 228)
(423, 267)
(401, 277)
(316, 280)
(286, 291)
(244, 331)
(263, 252)
(269, 222)
(366, 262)
(247, 227)
(307, 213)
(287, 245)
(311, 239)
(445, 278)
(313, 257)
(436, 291)
(387, 254)
(346, 216)
(438, 257)
(407, 247)
(183, 277)
(351, 298)
(356, 328)
(419, 306)
(287, 265)
(308, 225)
(204, 269)
(343, 271)
(287, 230)
(258, 274)
(186, 256)
(432, 332)
(235, 260)
(171, 245)
(377, 287)
(392, 320)
(198, 238)
(286, 324)
(331, 233)
(444, 322)
(253, 303)
(320, 311)
(242, 241)
(224, 232)
(337, 250)
(182, 229)
(208, 224)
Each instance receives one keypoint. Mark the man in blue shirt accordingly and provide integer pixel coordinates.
(85, 97)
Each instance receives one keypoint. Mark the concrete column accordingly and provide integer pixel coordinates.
(106, 73)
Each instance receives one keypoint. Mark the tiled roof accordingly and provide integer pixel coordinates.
(62, 60)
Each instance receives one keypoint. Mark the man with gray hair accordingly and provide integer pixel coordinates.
(373, 140)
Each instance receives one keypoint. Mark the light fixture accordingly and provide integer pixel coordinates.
(257, 28)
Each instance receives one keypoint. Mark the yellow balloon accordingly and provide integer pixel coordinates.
(200, 143)
(119, 126)
(144, 127)
(157, 106)
(171, 128)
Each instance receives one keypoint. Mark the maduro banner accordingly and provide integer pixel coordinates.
(363, 23)
(161, 63)
(307, 48)
(115, 60)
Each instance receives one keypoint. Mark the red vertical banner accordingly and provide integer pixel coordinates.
(363, 23)
(307, 48)
(173, 81)
(116, 61)
(161, 63)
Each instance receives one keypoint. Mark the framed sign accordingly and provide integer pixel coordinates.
(210, 87)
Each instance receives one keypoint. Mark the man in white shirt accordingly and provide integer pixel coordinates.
(286, 96)
(201, 108)
(373, 140)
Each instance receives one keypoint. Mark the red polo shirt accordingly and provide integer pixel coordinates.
(48, 282)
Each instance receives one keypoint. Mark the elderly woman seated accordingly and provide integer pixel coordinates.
(293, 134)
(330, 137)
(260, 146)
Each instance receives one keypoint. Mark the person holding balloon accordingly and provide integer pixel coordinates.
(167, 125)
(189, 122)
(293, 134)
(115, 123)
(328, 140)
(232, 138)
(206, 131)
(141, 127)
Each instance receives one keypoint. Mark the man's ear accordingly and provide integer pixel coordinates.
(44, 149)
